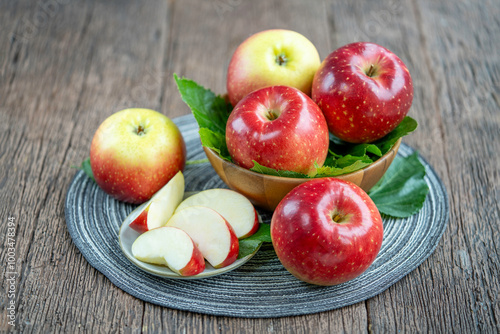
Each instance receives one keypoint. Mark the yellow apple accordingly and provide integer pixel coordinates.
(135, 152)
(270, 58)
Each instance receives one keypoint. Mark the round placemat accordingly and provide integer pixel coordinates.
(262, 287)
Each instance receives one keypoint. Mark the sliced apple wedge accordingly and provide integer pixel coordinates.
(161, 206)
(234, 207)
(171, 247)
(210, 232)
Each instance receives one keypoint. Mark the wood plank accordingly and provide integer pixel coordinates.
(467, 86)
(428, 299)
(97, 53)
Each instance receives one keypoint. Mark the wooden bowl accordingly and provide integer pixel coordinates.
(266, 191)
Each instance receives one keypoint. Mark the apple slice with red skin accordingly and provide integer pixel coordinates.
(326, 231)
(211, 233)
(234, 207)
(161, 206)
(171, 247)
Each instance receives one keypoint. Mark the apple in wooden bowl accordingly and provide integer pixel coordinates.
(266, 191)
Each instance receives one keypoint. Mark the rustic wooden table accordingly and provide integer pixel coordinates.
(67, 65)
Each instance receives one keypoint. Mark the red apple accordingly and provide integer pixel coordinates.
(279, 127)
(135, 152)
(269, 58)
(326, 231)
(364, 91)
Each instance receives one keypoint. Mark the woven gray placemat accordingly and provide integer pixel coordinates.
(261, 288)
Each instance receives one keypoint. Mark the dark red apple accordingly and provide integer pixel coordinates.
(279, 127)
(364, 91)
(326, 231)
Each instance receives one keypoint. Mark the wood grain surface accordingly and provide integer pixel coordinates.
(66, 65)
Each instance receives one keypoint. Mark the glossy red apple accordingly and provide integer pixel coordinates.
(364, 91)
(279, 127)
(326, 231)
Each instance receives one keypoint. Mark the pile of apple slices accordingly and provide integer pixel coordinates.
(183, 234)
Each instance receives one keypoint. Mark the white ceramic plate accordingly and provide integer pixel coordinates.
(128, 235)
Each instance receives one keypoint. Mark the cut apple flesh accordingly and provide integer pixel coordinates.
(234, 207)
(171, 247)
(210, 232)
(161, 206)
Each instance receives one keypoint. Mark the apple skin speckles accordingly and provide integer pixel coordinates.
(326, 231)
(382, 96)
(279, 127)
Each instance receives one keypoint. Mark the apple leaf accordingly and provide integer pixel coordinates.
(271, 171)
(349, 160)
(87, 169)
(252, 243)
(216, 141)
(402, 190)
(328, 171)
(210, 111)
(405, 127)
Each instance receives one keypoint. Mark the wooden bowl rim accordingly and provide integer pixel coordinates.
(394, 147)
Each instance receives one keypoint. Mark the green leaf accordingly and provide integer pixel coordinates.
(271, 171)
(327, 171)
(361, 150)
(405, 127)
(348, 160)
(247, 247)
(402, 190)
(253, 242)
(87, 169)
(263, 234)
(215, 141)
(209, 110)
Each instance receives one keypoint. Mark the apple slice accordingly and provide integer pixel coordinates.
(210, 232)
(161, 206)
(172, 247)
(234, 207)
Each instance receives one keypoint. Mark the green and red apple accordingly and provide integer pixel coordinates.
(135, 152)
(326, 231)
(270, 58)
(364, 91)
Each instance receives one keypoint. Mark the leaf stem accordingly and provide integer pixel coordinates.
(197, 162)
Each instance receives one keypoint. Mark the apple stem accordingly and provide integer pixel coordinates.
(272, 115)
(337, 218)
(140, 130)
(371, 71)
(281, 59)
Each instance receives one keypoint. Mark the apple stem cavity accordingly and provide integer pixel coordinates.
(371, 71)
(339, 218)
(140, 130)
(281, 59)
(272, 114)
